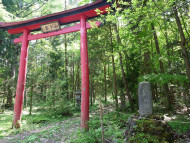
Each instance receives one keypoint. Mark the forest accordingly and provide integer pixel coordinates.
(139, 41)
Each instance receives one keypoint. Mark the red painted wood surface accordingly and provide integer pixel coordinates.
(62, 31)
(84, 74)
(21, 80)
(68, 19)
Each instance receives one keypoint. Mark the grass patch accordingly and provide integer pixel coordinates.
(6, 123)
(61, 131)
(114, 126)
(180, 127)
(40, 117)
(29, 122)
(181, 124)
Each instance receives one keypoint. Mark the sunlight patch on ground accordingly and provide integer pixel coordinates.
(182, 111)
(8, 112)
(25, 112)
(167, 118)
(24, 122)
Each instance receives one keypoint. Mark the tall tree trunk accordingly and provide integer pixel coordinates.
(187, 99)
(73, 77)
(146, 66)
(5, 94)
(78, 77)
(9, 96)
(66, 65)
(114, 74)
(126, 84)
(166, 88)
(45, 89)
(25, 98)
(105, 84)
(168, 49)
(158, 49)
(123, 103)
(156, 92)
(31, 98)
(91, 92)
(10, 86)
(42, 90)
(183, 42)
(123, 72)
(185, 27)
(53, 90)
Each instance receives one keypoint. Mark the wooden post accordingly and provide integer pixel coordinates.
(84, 74)
(21, 80)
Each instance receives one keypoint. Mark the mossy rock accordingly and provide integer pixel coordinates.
(156, 117)
(151, 127)
(159, 129)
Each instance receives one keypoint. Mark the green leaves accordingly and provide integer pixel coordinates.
(93, 24)
(163, 78)
(4, 14)
(98, 11)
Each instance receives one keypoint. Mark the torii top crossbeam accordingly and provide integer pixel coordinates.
(64, 17)
(61, 18)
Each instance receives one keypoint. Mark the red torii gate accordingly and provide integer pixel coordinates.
(65, 17)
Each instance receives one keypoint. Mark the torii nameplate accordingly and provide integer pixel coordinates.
(51, 26)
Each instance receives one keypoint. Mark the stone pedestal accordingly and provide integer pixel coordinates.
(145, 99)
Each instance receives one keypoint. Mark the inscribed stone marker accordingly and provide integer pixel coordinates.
(145, 98)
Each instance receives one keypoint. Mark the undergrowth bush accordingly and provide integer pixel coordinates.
(114, 124)
(62, 108)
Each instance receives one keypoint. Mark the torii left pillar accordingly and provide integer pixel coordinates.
(21, 80)
(84, 74)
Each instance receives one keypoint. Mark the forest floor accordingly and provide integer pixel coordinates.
(43, 127)
(39, 127)
(59, 132)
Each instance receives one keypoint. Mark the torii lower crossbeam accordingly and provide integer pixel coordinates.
(55, 33)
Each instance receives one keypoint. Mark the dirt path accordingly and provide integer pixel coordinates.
(61, 132)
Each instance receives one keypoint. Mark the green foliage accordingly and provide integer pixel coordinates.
(32, 138)
(144, 138)
(147, 130)
(36, 119)
(4, 14)
(163, 78)
(180, 126)
(113, 129)
(63, 109)
(83, 2)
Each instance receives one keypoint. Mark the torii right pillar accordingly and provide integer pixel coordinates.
(84, 74)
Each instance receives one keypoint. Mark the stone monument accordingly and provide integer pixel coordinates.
(145, 99)
(78, 98)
